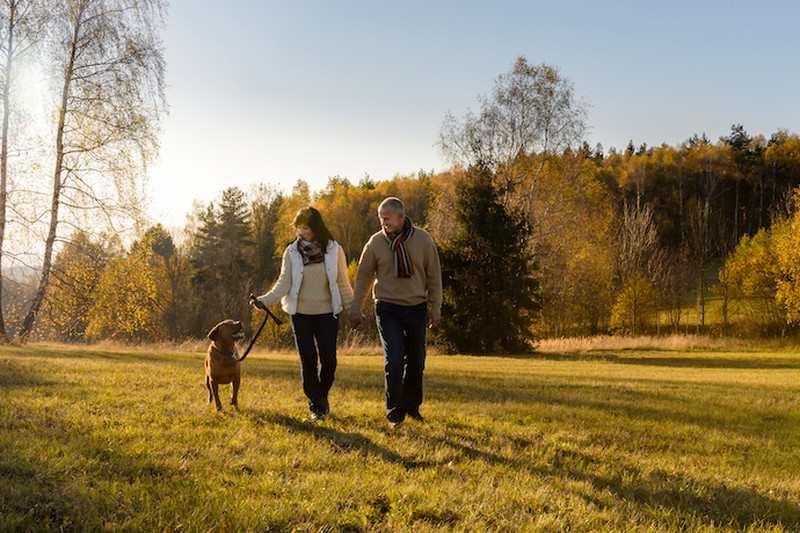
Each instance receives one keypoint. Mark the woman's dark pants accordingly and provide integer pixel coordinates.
(402, 329)
(315, 338)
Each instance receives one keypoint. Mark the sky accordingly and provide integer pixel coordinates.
(272, 92)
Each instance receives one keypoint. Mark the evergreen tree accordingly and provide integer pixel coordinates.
(490, 293)
(265, 215)
(222, 273)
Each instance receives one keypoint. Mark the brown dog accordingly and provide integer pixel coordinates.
(222, 360)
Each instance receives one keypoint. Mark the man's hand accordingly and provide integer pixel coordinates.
(356, 318)
(434, 319)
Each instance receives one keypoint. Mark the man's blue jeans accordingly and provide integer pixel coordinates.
(402, 329)
(315, 338)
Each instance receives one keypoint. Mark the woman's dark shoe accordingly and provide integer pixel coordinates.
(415, 416)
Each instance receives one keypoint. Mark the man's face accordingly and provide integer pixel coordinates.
(392, 221)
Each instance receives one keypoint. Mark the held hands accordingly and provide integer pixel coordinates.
(356, 318)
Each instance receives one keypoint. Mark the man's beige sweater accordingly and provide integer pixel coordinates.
(376, 269)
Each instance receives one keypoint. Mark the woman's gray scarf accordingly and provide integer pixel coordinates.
(310, 251)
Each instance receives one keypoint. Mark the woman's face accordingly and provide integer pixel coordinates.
(305, 233)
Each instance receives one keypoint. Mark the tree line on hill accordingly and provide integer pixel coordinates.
(539, 234)
(627, 242)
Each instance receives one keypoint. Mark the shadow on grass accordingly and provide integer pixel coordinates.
(12, 374)
(341, 440)
(675, 493)
(713, 503)
(57, 492)
(608, 398)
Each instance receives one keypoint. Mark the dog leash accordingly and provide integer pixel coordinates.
(263, 323)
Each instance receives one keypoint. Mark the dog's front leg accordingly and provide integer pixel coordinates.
(208, 386)
(215, 390)
(235, 398)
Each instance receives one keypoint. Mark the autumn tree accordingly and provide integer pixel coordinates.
(640, 259)
(132, 294)
(264, 216)
(171, 271)
(348, 212)
(749, 278)
(532, 109)
(634, 307)
(108, 57)
(77, 269)
(782, 172)
(747, 159)
(444, 193)
(708, 166)
(787, 244)
(761, 275)
(573, 245)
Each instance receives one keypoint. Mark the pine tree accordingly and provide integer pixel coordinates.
(222, 273)
(490, 292)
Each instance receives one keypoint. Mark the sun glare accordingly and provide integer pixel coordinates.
(30, 95)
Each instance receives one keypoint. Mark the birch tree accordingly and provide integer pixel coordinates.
(111, 97)
(20, 23)
(533, 109)
(640, 260)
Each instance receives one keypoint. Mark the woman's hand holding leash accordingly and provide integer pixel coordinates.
(257, 304)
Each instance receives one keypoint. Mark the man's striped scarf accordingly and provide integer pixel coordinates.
(402, 262)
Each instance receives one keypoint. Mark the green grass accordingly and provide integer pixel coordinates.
(598, 439)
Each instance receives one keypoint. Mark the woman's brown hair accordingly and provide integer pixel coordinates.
(308, 216)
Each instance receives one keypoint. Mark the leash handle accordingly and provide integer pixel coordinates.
(261, 327)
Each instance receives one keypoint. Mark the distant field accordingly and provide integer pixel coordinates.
(582, 436)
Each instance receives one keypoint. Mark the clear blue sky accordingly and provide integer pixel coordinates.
(272, 92)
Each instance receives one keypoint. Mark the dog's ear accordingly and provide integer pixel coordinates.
(213, 333)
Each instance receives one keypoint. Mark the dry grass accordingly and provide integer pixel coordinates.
(670, 342)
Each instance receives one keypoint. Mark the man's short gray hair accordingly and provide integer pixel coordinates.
(393, 204)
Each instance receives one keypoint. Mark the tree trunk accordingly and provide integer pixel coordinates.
(4, 158)
(736, 215)
(36, 303)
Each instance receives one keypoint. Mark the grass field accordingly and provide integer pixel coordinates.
(578, 437)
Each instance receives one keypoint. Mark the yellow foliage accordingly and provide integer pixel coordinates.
(127, 300)
(635, 306)
(787, 250)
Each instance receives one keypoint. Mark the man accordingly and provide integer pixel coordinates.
(401, 264)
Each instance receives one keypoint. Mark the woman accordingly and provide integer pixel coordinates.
(314, 289)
